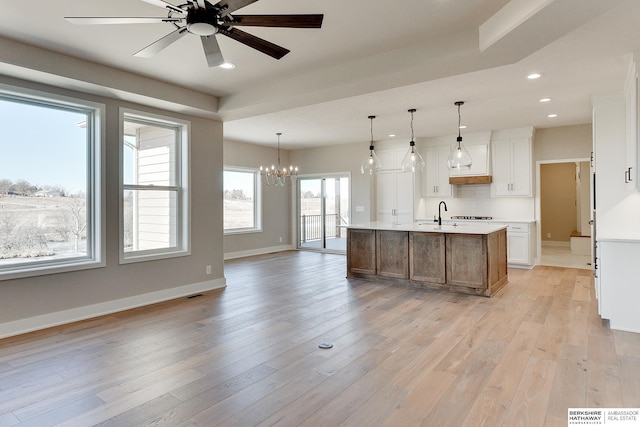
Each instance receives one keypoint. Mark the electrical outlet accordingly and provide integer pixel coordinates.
(548, 235)
(280, 239)
(208, 269)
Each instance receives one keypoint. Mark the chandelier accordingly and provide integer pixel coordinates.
(278, 176)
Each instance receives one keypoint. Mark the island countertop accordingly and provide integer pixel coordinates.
(431, 227)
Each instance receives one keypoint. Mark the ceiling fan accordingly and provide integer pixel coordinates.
(204, 19)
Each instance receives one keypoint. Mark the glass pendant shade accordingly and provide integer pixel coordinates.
(371, 164)
(459, 156)
(412, 161)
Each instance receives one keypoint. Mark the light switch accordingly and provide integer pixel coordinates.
(359, 208)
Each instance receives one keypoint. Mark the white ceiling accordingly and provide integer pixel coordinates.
(371, 57)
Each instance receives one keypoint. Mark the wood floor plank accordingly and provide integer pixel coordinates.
(248, 355)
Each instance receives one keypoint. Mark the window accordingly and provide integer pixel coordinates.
(50, 184)
(154, 198)
(241, 200)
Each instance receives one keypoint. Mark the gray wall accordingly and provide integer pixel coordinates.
(22, 299)
(341, 158)
(566, 142)
(276, 202)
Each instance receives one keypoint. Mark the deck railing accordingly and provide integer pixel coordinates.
(311, 227)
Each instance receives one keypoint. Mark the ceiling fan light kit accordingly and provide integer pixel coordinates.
(206, 20)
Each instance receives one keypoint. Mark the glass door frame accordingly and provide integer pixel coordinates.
(323, 177)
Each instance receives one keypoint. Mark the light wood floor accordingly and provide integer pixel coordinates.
(248, 355)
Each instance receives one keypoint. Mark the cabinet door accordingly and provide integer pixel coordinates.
(480, 159)
(518, 248)
(404, 197)
(392, 254)
(385, 196)
(436, 175)
(427, 257)
(466, 260)
(520, 167)
(431, 174)
(501, 156)
(361, 253)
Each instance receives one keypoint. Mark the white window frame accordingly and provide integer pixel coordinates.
(96, 231)
(183, 199)
(257, 202)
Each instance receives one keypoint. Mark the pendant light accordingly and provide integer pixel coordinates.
(412, 161)
(278, 176)
(459, 156)
(371, 163)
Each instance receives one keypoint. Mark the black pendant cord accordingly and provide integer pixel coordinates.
(459, 139)
(412, 143)
(371, 143)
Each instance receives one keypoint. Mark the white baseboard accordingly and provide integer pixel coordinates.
(44, 321)
(259, 251)
(556, 243)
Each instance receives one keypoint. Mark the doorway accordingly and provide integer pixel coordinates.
(564, 200)
(323, 211)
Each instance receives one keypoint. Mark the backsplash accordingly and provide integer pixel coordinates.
(477, 200)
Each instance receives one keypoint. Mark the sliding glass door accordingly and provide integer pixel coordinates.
(323, 211)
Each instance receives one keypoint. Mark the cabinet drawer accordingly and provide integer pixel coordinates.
(517, 228)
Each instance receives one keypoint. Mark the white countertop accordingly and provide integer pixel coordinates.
(484, 227)
(481, 221)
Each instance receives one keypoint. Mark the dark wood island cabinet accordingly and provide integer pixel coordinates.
(467, 259)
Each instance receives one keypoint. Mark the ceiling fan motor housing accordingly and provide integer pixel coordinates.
(200, 22)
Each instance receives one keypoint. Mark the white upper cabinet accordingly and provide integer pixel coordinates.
(632, 98)
(511, 158)
(436, 173)
(480, 161)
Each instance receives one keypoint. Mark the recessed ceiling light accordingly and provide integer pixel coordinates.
(392, 135)
(463, 126)
(544, 100)
(552, 116)
(534, 76)
(227, 65)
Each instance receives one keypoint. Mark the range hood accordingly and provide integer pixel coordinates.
(470, 179)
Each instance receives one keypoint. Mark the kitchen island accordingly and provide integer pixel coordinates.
(471, 259)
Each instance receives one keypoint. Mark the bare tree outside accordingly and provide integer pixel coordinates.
(40, 221)
(72, 220)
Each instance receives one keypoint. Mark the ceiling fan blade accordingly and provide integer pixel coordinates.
(230, 6)
(289, 21)
(89, 20)
(165, 5)
(257, 43)
(212, 51)
(162, 43)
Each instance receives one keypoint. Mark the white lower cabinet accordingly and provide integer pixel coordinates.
(521, 244)
(619, 284)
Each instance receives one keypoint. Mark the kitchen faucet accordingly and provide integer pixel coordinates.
(445, 209)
